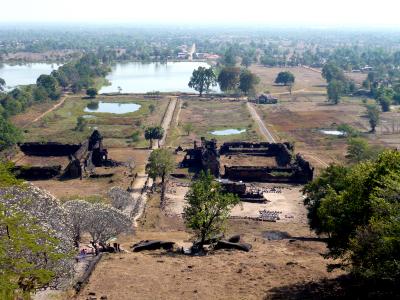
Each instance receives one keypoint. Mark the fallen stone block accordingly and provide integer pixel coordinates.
(152, 245)
(234, 238)
(230, 245)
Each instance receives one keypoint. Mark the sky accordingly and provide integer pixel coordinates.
(336, 13)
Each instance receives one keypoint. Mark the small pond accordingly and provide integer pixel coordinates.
(228, 131)
(112, 108)
(333, 132)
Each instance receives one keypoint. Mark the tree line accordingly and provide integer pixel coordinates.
(357, 209)
(73, 76)
(229, 79)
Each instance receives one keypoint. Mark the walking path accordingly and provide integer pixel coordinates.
(263, 129)
(47, 111)
(142, 182)
(268, 136)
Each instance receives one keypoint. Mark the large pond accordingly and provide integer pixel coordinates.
(228, 131)
(136, 77)
(24, 74)
(112, 108)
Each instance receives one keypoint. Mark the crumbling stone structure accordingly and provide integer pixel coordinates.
(281, 151)
(37, 173)
(289, 168)
(88, 154)
(99, 154)
(204, 157)
(49, 149)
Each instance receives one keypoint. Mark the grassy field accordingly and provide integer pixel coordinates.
(306, 79)
(117, 130)
(300, 118)
(209, 115)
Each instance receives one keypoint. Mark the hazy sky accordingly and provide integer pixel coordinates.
(308, 12)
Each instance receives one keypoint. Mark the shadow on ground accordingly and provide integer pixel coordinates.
(343, 287)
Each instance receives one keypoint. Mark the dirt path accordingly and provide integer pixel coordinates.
(312, 69)
(298, 92)
(263, 129)
(178, 114)
(317, 159)
(47, 111)
(143, 182)
(166, 122)
(268, 136)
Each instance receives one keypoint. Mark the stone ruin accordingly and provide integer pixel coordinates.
(81, 157)
(289, 168)
(203, 157)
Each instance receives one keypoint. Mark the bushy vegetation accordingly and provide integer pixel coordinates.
(208, 208)
(358, 209)
(75, 76)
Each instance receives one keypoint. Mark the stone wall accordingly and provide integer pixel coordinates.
(36, 173)
(49, 149)
(281, 151)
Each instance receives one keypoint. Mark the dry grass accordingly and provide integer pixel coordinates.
(97, 188)
(305, 79)
(24, 119)
(117, 130)
(221, 275)
(210, 115)
(299, 119)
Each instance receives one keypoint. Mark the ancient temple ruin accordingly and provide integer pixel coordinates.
(250, 162)
(203, 157)
(65, 161)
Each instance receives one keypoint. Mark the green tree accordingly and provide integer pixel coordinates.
(228, 79)
(385, 103)
(81, 124)
(229, 58)
(188, 127)
(335, 91)
(9, 134)
(357, 150)
(248, 81)
(285, 78)
(22, 242)
(39, 94)
(152, 108)
(202, 79)
(247, 61)
(154, 133)
(359, 211)
(50, 85)
(161, 164)
(331, 179)
(331, 72)
(373, 114)
(208, 207)
(2, 84)
(29, 252)
(135, 136)
(91, 92)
